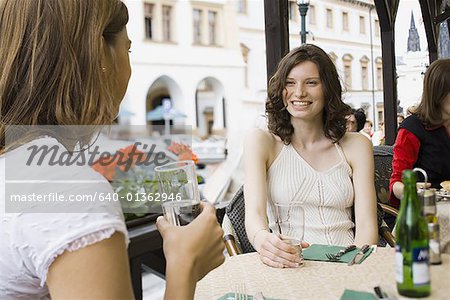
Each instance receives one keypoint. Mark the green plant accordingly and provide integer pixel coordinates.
(136, 190)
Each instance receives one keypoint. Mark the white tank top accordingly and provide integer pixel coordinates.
(326, 197)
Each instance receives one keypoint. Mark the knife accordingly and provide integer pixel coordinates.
(359, 255)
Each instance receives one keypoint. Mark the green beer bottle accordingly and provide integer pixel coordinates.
(411, 251)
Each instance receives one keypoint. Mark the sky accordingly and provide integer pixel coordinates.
(402, 25)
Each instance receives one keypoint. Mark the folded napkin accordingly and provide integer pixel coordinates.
(318, 252)
(356, 295)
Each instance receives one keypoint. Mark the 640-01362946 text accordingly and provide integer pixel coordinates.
(97, 196)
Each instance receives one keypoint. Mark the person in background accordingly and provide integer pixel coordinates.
(367, 130)
(410, 110)
(423, 139)
(400, 119)
(378, 136)
(67, 62)
(356, 120)
(306, 151)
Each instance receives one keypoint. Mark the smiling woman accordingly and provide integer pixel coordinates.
(325, 76)
(306, 158)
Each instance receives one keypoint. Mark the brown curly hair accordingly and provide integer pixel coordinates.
(335, 110)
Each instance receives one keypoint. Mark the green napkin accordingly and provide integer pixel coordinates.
(318, 252)
(356, 295)
(231, 296)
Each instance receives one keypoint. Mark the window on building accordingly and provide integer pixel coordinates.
(380, 113)
(333, 57)
(364, 73)
(242, 6)
(364, 78)
(149, 20)
(347, 62)
(197, 16)
(212, 27)
(245, 51)
(348, 76)
(379, 78)
(293, 8)
(345, 21)
(362, 25)
(377, 28)
(166, 22)
(311, 14)
(329, 18)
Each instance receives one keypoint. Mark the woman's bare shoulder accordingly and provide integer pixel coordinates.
(264, 143)
(263, 137)
(355, 139)
(355, 144)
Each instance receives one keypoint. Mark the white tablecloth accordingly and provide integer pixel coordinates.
(316, 280)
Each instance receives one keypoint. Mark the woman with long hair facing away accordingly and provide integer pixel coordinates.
(307, 157)
(423, 139)
(66, 62)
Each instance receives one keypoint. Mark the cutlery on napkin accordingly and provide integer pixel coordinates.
(359, 255)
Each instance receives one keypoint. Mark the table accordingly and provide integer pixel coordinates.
(316, 280)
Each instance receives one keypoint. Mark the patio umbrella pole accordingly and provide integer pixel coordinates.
(166, 126)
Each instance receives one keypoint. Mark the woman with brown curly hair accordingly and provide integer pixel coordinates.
(307, 157)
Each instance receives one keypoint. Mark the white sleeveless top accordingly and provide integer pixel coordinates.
(326, 197)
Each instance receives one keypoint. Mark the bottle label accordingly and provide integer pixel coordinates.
(435, 252)
(398, 264)
(420, 266)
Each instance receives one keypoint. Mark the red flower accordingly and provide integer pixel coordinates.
(183, 151)
(123, 159)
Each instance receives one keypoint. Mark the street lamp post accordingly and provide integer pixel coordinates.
(303, 6)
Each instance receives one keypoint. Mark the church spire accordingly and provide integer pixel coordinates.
(413, 38)
(412, 24)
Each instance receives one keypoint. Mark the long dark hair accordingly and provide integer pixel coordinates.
(335, 110)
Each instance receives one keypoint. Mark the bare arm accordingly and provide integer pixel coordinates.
(272, 250)
(99, 271)
(256, 156)
(360, 156)
(397, 189)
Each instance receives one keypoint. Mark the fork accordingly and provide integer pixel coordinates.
(337, 256)
(240, 292)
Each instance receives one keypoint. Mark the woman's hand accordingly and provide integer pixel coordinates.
(274, 252)
(191, 251)
(198, 244)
